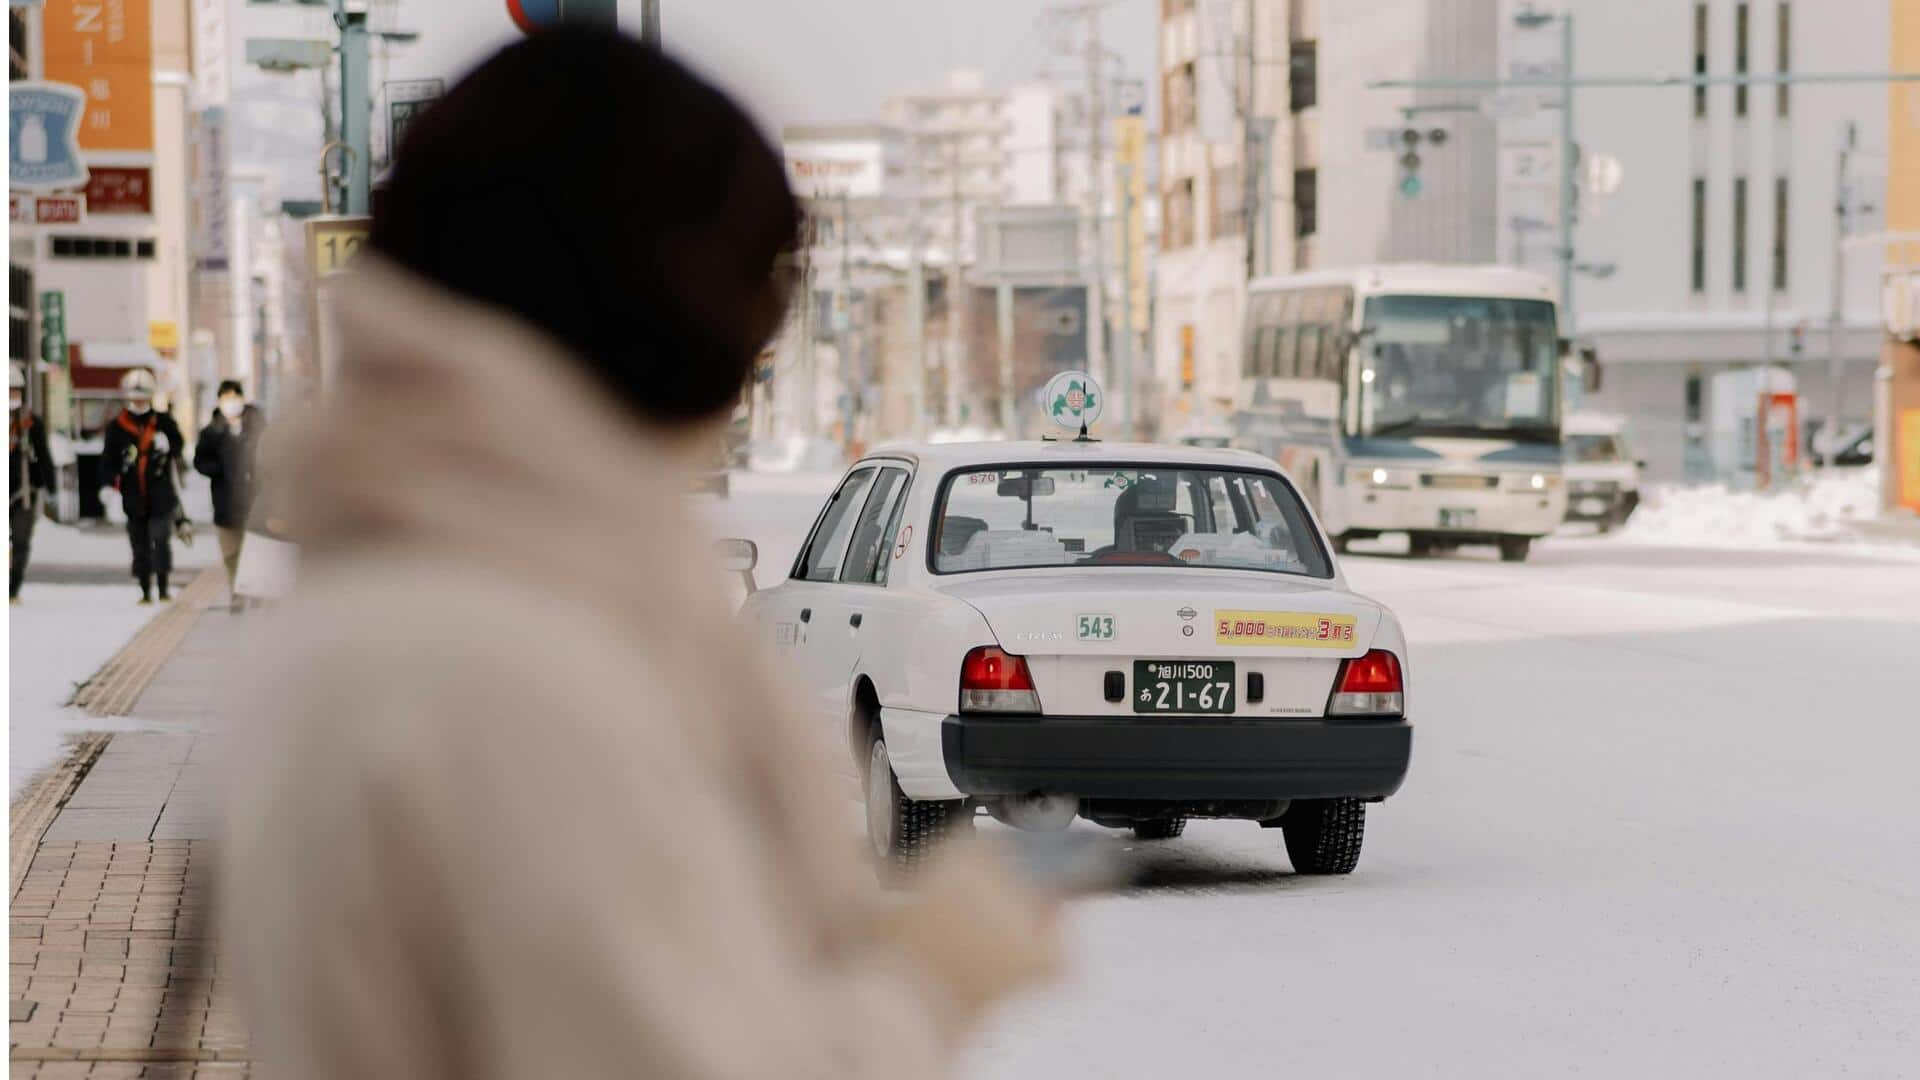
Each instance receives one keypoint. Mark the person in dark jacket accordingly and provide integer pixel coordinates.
(142, 455)
(29, 478)
(228, 454)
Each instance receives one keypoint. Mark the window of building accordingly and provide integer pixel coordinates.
(1177, 210)
(1740, 234)
(1699, 59)
(1228, 196)
(1779, 234)
(1303, 75)
(1180, 98)
(67, 246)
(1740, 26)
(1782, 52)
(1699, 274)
(1306, 202)
(1696, 398)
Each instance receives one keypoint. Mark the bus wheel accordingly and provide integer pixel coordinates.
(1419, 545)
(1515, 548)
(1341, 544)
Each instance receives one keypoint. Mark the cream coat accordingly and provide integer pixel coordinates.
(522, 802)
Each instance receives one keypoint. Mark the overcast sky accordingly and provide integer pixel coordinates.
(805, 61)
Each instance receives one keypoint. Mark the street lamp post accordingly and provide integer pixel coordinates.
(1530, 20)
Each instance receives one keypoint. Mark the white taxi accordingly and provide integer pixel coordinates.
(1133, 634)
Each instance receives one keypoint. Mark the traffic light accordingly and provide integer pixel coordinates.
(1411, 138)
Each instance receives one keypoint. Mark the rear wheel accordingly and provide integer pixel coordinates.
(1324, 835)
(901, 832)
(1515, 548)
(1419, 545)
(1163, 829)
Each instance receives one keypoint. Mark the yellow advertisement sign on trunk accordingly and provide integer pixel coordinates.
(1289, 629)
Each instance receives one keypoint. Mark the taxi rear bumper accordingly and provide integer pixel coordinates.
(1177, 757)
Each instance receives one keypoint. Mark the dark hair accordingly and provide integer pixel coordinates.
(603, 192)
(230, 386)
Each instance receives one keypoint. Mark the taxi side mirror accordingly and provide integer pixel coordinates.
(738, 557)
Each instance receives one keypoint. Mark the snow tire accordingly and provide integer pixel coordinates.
(902, 833)
(1324, 835)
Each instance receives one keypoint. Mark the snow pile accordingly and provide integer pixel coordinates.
(1823, 508)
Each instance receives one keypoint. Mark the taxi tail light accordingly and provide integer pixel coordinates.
(992, 680)
(1369, 686)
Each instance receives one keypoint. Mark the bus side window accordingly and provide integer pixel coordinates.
(1285, 315)
(1250, 348)
(1310, 323)
(1337, 316)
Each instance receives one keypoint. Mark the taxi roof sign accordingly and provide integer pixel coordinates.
(1073, 400)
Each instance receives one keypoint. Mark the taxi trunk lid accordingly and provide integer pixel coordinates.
(1077, 628)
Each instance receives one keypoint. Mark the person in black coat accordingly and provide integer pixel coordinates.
(228, 454)
(29, 478)
(142, 455)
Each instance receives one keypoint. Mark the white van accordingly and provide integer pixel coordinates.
(1603, 478)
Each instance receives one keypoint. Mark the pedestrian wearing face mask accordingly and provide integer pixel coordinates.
(29, 478)
(228, 454)
(142, 455)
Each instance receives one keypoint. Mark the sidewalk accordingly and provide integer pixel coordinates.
(113, 970)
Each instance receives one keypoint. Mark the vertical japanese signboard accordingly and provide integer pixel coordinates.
(104, 47)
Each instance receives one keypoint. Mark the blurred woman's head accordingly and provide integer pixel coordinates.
(610, 197)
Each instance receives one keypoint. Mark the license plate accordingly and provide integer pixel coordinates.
(1456, 519)
(1593, 506)
(1183, 686)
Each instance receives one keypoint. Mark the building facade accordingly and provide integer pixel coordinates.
(1707, 238)
(119, 265)
(1265, 105)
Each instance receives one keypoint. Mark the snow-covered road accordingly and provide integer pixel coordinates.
(1663, 819)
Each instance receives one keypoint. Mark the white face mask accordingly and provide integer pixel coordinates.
(139, 406)
(232, 407)
(13, 402)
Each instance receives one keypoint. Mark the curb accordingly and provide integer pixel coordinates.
(34, 811)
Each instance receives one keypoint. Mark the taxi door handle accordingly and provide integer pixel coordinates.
(806, 614)
(853, 620)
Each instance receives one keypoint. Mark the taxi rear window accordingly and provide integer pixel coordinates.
(1024, 517)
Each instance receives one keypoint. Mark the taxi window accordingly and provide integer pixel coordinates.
(829, 540)
(869, 539)
(1123, 515)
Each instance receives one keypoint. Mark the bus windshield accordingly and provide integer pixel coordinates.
(1460, 366)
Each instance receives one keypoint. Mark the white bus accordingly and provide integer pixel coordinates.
(1414, 399)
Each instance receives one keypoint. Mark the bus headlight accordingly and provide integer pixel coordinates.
(1532, 482)
(1374, 477)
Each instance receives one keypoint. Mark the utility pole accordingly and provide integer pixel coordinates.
(1837, 313)
(1569, 189)
(843, 310)
(1253, 152)
(356, 114)
(809, 386)
(1096, 190)
(917, 289)
(956, 298)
